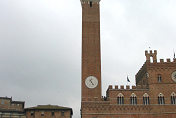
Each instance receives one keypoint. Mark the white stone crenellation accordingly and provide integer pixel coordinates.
(90, 0)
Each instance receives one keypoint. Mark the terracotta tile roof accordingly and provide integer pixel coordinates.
(43, 107)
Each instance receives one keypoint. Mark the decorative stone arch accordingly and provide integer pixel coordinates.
(133, 95)
(120, 95)
(173, 94)
(145, 95)
(160, 95)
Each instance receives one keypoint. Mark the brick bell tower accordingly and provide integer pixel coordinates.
(91, 58)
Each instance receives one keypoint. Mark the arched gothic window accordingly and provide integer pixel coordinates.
(161, 99)
(173, 98)
(146, 99)
(120, 99)
(133, 99)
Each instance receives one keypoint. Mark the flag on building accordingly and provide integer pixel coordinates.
(128, 79)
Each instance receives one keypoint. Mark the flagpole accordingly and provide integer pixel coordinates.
(127, 80)
(174, 53)
(127, 83)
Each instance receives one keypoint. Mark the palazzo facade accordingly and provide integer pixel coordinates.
(154, 95)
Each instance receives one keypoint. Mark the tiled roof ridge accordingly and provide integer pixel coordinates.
(48, 107)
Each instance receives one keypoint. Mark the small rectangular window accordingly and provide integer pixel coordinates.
(42, 114)
(90, 3)
(52, 113)
(32, 113)
(62, 113)
(2, 101)
(159, 78)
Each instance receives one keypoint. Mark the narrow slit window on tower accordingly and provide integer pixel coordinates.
(42, 113)
(2, 101)
(159, 78)
(32, 113)
(90, 3)
(52, 113)
(62, 113)
(173, 98)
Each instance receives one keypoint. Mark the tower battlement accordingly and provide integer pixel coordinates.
(150, 55)
(150, 52)
(82, 1)
(153, 54)
(121, 87)
(168, 60)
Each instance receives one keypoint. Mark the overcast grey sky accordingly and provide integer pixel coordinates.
(40, 46)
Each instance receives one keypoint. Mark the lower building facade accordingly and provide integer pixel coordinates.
(15, 109)
(48, 111)
(11, 109)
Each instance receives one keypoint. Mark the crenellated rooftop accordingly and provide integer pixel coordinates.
(151, 62)
(88, 1)
(153, 55)
(122, 87)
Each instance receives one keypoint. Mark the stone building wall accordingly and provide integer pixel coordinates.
(48, 114)
(11, 109)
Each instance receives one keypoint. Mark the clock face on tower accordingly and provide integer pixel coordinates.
(174, 76)
(91, 82)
